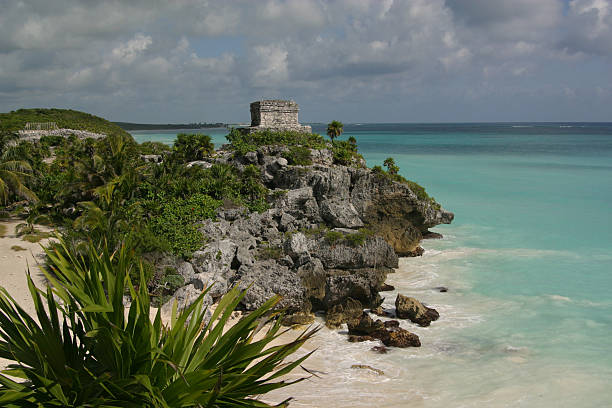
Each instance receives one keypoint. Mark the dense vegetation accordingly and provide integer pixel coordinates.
(167, 126)
(64, 118)
(243, 143)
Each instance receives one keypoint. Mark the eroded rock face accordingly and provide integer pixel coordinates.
(410, 308)
(287, 250)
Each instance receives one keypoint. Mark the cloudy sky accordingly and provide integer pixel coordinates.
(351, 60)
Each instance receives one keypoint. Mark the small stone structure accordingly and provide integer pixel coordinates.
(41, 126)
(275, 114)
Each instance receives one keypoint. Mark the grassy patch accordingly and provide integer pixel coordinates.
(3, 230)
(36, 236)
(269, 252)
(18, 248)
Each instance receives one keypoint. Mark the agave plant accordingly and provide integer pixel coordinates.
(84, 348)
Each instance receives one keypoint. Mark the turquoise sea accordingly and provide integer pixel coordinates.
(527, 320)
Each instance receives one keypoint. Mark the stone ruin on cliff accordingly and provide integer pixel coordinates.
(276, 115)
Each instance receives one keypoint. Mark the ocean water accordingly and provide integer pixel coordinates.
(527, 320)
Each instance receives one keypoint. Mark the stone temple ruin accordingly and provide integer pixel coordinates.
(275, 114)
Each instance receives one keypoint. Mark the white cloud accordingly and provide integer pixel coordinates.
(128, 51)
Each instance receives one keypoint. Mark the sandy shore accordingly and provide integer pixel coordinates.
(14, 264)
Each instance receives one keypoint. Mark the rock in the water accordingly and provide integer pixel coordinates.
(432, 235)
(386, 288)
(299, 318)
(380, 349)
(410, 308)
(349, 312)
(365, 326)
(442, 289)
(418, 251)
(379, 311)
(401, 338)
(367, 367)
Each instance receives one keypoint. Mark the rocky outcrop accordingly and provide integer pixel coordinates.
(410, 308)
(327, 242)
(389, 332)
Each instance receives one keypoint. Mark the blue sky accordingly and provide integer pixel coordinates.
(351, 60)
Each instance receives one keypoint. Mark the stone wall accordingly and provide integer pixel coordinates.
(276, 115)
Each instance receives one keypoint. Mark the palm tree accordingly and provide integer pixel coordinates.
(12, 175)
(334, 129)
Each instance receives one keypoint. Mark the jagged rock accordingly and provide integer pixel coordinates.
(374, 253)
(299, 318)
(286, 222)
(296, 245)
(401, 338)
(386, 288)
(388, 332)
(340, 213)
(410, 308)
(185, 269)
(350, 312)
(313, 278)
(365, 326)
(268, 278)
(359, 284)
(251, 157)
(243, 257)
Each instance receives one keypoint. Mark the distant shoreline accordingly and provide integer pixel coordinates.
(167, 126)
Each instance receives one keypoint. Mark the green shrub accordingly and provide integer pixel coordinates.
(242, 142)
(356, 239)
(176, 222)
(173, 281)
(393, 175)
(89, 349)
(153, 148)
(192, 147)
(298, 155)
(332, 237)
(345, 152)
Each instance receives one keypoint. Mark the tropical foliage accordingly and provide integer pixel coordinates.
(84, 348)
(334, 129)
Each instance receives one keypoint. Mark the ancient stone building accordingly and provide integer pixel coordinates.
(276, 115)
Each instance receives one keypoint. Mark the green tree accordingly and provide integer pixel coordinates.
(334, 130)
(392, 168)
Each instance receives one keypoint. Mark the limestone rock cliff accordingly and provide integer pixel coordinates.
(327, 242)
